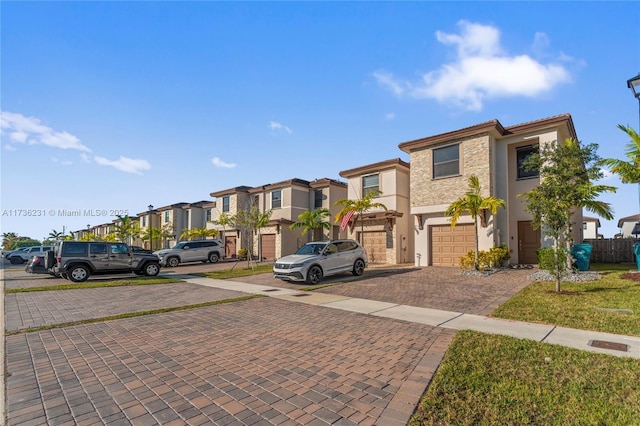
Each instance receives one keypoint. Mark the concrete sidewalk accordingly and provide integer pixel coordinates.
(593, 341)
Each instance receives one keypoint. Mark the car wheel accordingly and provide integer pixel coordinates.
(173, 262)
(358, 268)
(213, 257)
(15, 260)
(314, 275)
(151, 269)
(78, 274)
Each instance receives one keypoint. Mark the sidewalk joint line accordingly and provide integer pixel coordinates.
(548, 334)
(450, 319)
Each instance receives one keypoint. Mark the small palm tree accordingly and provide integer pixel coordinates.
(474, 204)
(224, 220)
(55, 235)
(360, 206)
(312, 220)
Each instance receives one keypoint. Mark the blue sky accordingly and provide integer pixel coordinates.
(117, 105)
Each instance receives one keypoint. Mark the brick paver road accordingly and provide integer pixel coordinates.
(252, 362)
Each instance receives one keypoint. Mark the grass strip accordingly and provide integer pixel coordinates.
(498, 380)
(97, 284)
(132, 315)
(580, 305)
(239, 272)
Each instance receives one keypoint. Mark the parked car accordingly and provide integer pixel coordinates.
(8, 253)
(35, 265)
(191, 251)
(77, 260)
(315, 260)
(138, 249)
(21, 256)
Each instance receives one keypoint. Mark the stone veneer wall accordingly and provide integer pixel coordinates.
(475, 159)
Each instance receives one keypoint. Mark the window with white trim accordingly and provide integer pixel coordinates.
(276, 199)
(225, 204)
(370, 183)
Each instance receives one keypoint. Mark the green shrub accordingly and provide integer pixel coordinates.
(243, 253)
(493, 258)
(547, 259)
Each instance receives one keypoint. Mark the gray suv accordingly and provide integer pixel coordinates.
(77, 260)
(191, 251)
(315, 260)
(21, 256)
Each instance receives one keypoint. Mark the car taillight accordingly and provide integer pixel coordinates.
(58, 259)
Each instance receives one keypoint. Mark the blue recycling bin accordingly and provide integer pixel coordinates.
(636, 251)
(582, 254)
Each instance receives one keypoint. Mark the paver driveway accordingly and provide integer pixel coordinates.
(258, 361)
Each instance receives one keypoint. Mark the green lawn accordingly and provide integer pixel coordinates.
(68, 285)
(610, 304)
(498, 380)
(239, 271)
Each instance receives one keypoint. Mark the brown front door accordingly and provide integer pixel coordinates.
(230, 247)
(528, 243)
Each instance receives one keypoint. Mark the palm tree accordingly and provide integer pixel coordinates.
(197, 233)
(8, 238)
(55, 235)
(360, 206)
(124, 229)
(629, 171)
(312, 220)
(475, 205)
(225, 219)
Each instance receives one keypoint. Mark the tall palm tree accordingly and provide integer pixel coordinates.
(474, 204)
(360, 206)
(312, 220)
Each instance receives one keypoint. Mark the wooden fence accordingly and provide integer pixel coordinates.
(612, 250)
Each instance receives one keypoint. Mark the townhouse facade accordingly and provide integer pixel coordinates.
(413, 228)
(386, 234)
(285, 200)
(440, 168)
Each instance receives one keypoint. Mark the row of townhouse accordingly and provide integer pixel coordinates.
(414, 228)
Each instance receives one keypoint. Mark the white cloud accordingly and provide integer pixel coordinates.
(221, 164)
(30, 130)
(274, 125)
(85, 158)
(125, 164)
(390, 116)
(480, 71)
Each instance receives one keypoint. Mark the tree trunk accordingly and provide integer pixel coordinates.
(476, 264)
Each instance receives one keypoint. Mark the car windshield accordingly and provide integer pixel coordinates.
(179, 246)
(311, 248)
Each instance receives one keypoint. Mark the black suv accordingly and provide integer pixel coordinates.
(77, 260)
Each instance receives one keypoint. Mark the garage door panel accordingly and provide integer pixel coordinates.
(449, 244)
(268, 246)
(375, 243)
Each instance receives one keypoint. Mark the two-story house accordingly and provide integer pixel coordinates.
(387, 235)
(149, 219)
(173, 221)
(440, 168)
